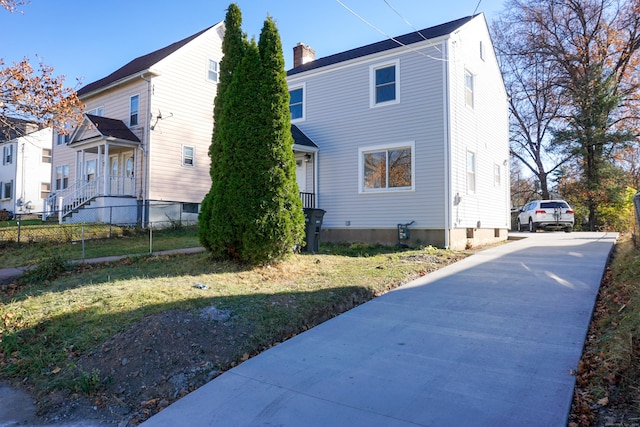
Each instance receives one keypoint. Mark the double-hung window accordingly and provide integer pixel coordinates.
(296, 103)
(46, 155)
(45, 190)
(62, 177)
(7, 191)
(187, 155)
(387, 168)
(7, 154)
(385, 85)
(471, 172)
(212, 71)
(133, 110)
(468, 88)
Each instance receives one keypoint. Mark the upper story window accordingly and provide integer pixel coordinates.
(62, 139)
(187, 155)
(387, 168)
(497, 179)
(7, 154)
(468, 87)
(212, 71)
(99, 111)
(296, 103)
(46, 155)
(483, 53)
(384, 80)
(133, 110)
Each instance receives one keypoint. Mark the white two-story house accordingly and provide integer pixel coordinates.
(410, 130)
(140, 154)
(25, 170)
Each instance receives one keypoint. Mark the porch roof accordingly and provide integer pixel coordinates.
(299, 138)
(107, 128)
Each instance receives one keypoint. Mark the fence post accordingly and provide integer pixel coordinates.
(150, 237)
(110, 219)
(636, 204)
(82, 237)
(18, 221)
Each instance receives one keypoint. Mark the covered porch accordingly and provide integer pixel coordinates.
(305, 152)
(106, 160)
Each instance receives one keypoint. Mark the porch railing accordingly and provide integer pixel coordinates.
(83, 193)
(308, 200)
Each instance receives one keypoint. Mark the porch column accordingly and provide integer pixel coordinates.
(135, 173)
(83, 169)
(99, 172)
(107, 178)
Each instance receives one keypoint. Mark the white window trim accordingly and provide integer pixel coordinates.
(193, 156)
(99, 111)
(473, 88)
(372, 83)
(475, 172)
(130, 111)
(209, 60)
(302, 86)
(363, 150)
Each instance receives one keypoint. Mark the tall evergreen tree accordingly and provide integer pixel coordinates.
(253, 212)
(233, 47)
(282, 221)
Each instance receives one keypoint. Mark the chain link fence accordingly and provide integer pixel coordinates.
(98, 222)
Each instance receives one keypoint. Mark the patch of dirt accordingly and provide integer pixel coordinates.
(152, 364)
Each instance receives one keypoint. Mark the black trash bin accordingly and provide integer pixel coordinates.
(313, 225)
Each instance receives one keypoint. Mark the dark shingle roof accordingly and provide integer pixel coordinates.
(406, 39)
(112, 128)
(300, 138)
(138, 65)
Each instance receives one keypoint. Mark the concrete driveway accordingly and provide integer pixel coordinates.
(489, 341)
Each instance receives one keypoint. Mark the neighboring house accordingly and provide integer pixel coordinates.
(412, 129)
(144, 139)
(25, 170)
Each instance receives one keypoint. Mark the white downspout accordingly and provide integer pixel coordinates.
(447, 146)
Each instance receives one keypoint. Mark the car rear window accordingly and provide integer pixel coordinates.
(551, 205)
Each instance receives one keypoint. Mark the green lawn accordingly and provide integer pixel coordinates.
(124, 242)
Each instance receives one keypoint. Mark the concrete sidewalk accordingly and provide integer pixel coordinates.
(491, 340)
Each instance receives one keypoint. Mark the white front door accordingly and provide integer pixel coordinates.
(301, 175)
(129, 183)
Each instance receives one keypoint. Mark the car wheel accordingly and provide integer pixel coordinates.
(532, 226)
(568, 230)
(518, 225)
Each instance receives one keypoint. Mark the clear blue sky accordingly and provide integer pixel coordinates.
(90, 39)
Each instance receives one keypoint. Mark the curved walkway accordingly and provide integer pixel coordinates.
(491, 340)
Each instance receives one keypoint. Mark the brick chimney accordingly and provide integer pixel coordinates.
(302, 54)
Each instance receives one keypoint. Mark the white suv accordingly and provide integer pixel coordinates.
(547, 215)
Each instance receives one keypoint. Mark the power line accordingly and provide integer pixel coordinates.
(387, 35)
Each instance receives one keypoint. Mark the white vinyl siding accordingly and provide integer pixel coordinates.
(181, 89)
(343, 129)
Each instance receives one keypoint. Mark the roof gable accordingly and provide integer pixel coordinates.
(106, 127)
(381, 46)
(139, 64)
